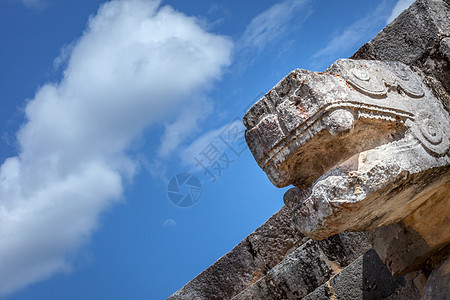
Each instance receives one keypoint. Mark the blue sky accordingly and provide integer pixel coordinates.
(103, 103)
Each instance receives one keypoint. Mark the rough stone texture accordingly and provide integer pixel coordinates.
(342, 249)
(430, 220)
(323, 292)
(250, 260)
(275, 239)
(365, 278)
(257, 291)
(407, 292)
(438, 285)
(297, 275)
(300, 273)
(407, 245)
(388, 134)
(444, 47)
(223, 279)
(311, 112)
(275, 261)
(401, 249)
(312, 264)
(419, 38)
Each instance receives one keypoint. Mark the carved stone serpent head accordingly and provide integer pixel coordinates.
(345, 138)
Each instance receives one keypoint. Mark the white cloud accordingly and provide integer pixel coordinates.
(355, 35)
(179, 130)
(270, 25)
(133, 65)
(399, 7)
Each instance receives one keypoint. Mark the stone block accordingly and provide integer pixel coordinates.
(323, 292)
(342, 249)
(300, 273)
(366, 278)
(257, 291)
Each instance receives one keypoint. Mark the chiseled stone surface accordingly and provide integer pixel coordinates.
(323, 292)
(407, 292)
(365, 278)
(400, 248)
(426, 22)
(257, 291)
(275, 239)
(388, 134)
(406, 246)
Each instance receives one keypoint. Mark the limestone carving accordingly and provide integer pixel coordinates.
(346, 138)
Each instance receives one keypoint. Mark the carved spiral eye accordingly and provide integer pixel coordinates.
(430, 132)
(406, 81)
(363, 81)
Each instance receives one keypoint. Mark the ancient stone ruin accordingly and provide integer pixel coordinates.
(366, 145)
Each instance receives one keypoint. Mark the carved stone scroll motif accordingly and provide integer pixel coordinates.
(345, 138)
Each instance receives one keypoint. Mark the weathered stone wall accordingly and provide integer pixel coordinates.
(278, 254)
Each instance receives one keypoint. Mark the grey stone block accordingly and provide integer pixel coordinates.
(257, 291)
(409, 36)
(366, 278)
(300, 273)
(323, 292)
(345, 247)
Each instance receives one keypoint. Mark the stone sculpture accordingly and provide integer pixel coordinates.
(347, 138)
(366, 146)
